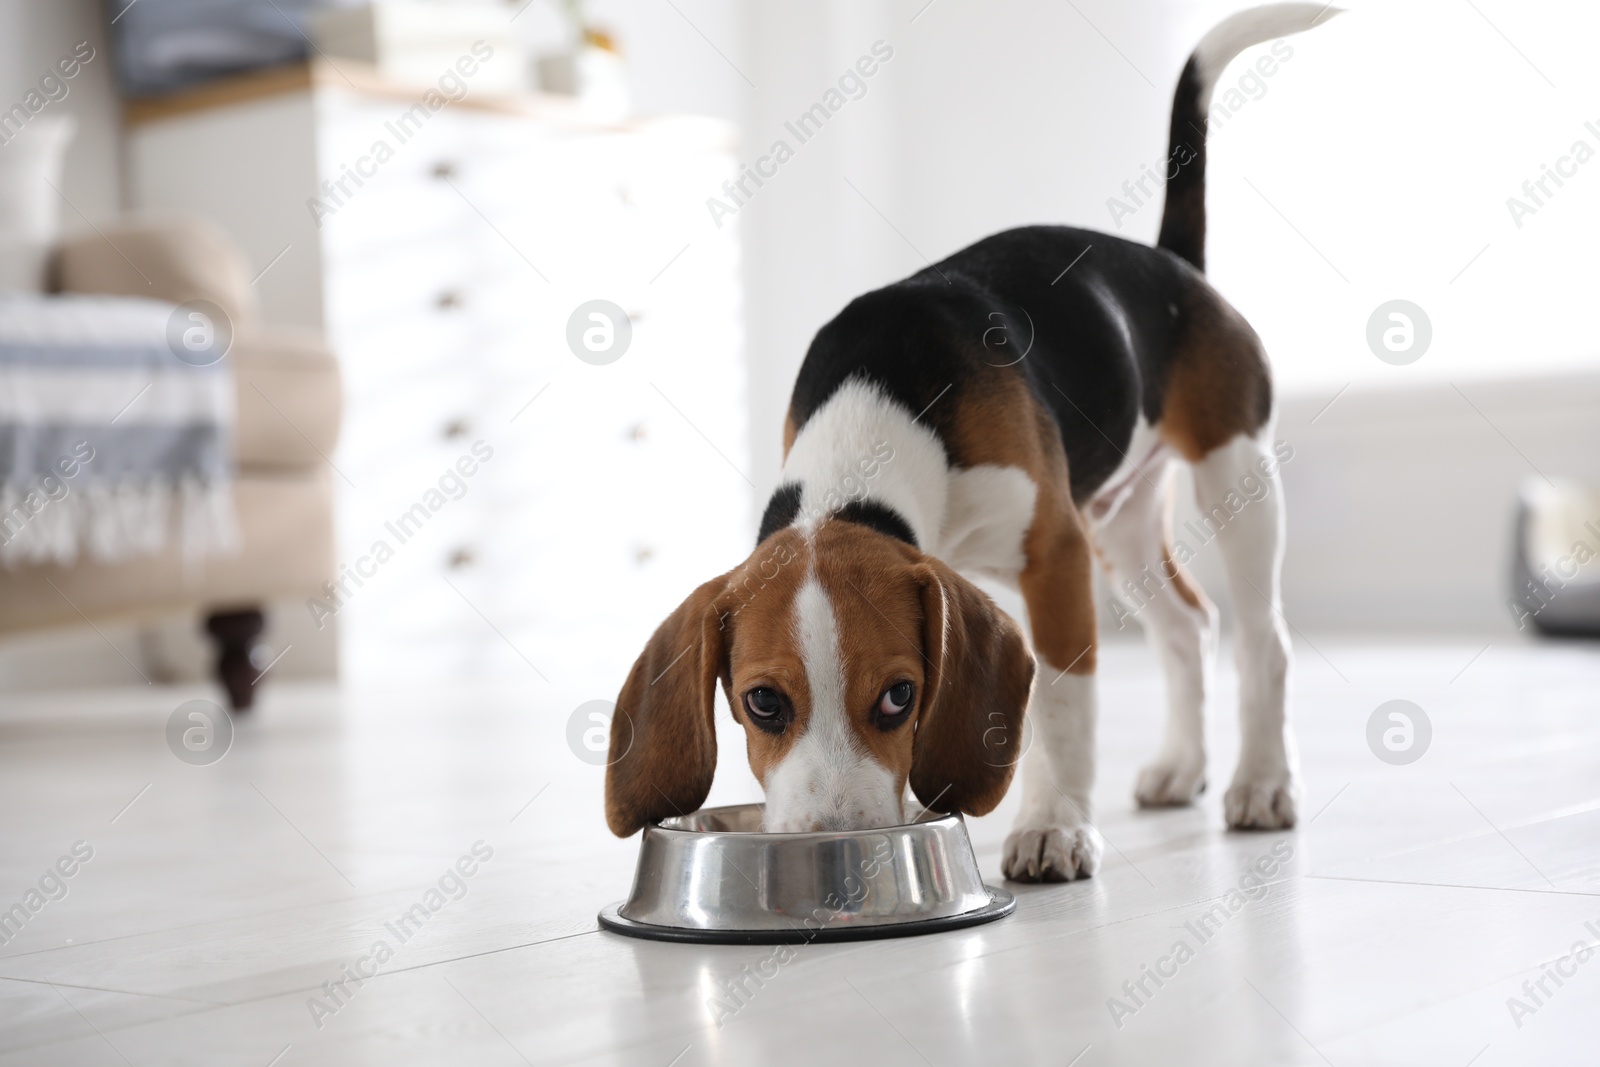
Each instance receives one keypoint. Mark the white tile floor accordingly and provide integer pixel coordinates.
(1418, 899)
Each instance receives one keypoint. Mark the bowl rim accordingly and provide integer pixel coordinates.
(1002, 902)
(944, 820)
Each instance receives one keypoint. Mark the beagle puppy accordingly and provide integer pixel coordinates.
(1012, 411)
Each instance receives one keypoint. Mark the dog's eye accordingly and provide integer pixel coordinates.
(897, 699)
(763, 703)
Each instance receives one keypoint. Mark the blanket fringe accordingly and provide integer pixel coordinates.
(110, 524)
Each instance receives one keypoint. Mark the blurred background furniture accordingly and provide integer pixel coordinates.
(443, 250)
(1558, 534)
(288, 420)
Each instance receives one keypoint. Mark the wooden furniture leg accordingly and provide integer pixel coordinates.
(240, 652)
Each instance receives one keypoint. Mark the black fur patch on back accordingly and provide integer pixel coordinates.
(880, 517)
(1098, 339)
(781, 510)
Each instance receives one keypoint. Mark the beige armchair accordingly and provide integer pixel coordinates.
(288, 422)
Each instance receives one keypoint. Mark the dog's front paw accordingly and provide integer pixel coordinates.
(1051, 854)
(1267, 800)
(1170, 782)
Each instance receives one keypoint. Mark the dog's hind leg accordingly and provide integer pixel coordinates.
(1136, 542)
(1241, 500)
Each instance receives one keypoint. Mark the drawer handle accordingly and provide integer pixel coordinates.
(448, 299)
(456, 428)
(444, 170)
(462, 557)
(643, 554)
(636, 433)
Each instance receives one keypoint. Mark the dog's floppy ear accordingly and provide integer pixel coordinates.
(969, 735)
(663, 734)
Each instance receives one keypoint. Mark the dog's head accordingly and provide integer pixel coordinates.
(855, 664)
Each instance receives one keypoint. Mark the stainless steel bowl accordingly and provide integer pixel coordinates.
(714, 876)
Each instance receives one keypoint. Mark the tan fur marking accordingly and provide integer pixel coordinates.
(765, 650)
(969, 738)
(1002, 423)
(1187, 589)
(1181, 581)
(869, 584)
(1219, 384)
(878, 610)
(789, 433)
(970, 667)
(1057, 586)
(663, 749)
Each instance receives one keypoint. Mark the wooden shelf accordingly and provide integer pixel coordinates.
(344, 74)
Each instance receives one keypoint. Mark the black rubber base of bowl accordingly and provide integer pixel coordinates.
(1001, 904)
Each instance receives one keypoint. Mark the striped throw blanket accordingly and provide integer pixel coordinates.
(111, 446)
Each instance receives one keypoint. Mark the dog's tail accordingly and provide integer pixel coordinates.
(1183, 219)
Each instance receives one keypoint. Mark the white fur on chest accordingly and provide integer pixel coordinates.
(989, 514)
(861, 445)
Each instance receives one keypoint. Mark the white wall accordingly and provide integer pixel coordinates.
(1391, 142)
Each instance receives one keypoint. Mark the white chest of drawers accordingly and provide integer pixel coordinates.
(445, 280)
